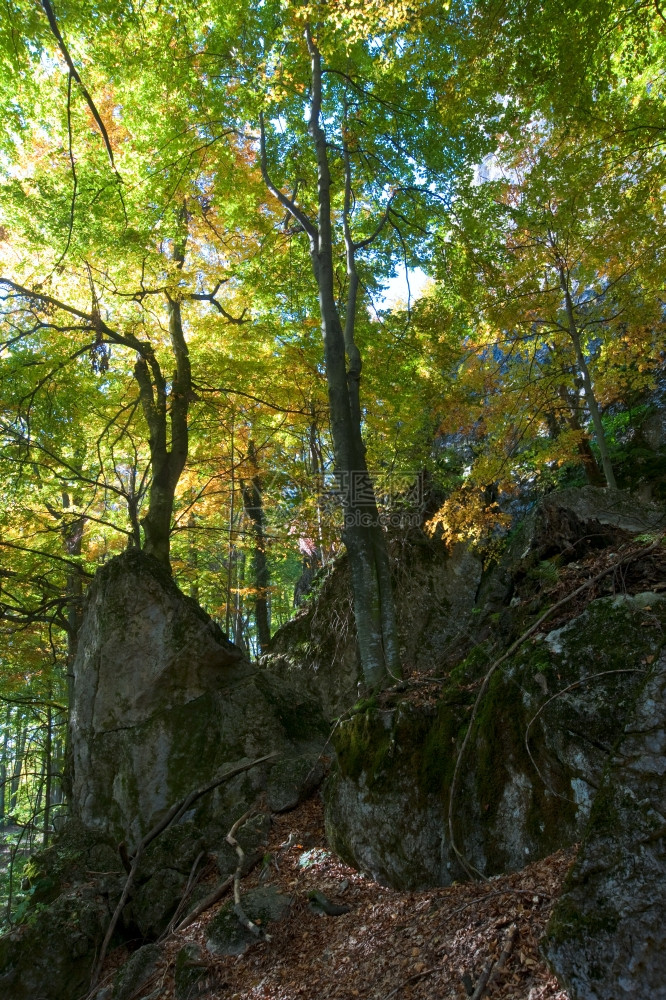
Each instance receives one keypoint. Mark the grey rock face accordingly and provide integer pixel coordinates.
(653, 430)
(163, 703)
(51, 958)
(607, 936)
(392, 836)
(612, 509)
(136, 979)
(190, 972)
(227, 936)
(567, 696)
(435, 596)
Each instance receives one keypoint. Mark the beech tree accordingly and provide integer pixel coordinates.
(359, 183)
(558, 263)
(191, 192)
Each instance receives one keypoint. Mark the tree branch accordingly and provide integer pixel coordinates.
(48, 9)
(127, 340)
(210, 297)
(286, 202)
(45, 555)
(172, 816)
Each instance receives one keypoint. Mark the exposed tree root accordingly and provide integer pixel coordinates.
(174, 814)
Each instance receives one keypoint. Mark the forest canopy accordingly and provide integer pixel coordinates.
(205, 212)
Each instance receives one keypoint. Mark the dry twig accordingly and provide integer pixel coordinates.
(491, 973)
(238, 906)
(174, 814)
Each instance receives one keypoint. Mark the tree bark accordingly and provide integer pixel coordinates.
(588, 389)
(21, 739)
(3, 766)
(167, 458)
(593, 473)
(254, 508)
(48, 775)
(363, 535)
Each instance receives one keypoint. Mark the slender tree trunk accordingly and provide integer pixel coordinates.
(39, 797)
(254, 508)
(588, 389)
(230, 538)
(168, 458)
(194, 558)
(72, 533)
(363, 535)
(238, 620)
(48, 775)
(3, 766)
(593, 473)
(317, 467)
(21, 738)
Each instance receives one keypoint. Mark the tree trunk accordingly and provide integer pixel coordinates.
(254, 508)
(238, 623)
(167, 462)
(593, 473)
(3, 766)
(21, 739)
(588, 389)
(48, 775)
(363, 535)
(72, 534)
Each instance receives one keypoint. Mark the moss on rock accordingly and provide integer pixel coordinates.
(542, 737)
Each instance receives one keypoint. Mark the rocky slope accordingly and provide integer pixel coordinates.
(523, 678)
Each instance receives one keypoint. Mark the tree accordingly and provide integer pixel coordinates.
(558, 258)
(362, 177)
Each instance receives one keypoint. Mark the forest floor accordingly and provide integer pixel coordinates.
(391, 945)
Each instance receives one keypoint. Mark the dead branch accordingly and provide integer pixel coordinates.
(183, 899)
(621, 560)
(238, 906)
(491, 973)
(415, 978)
(172, 816)
(205, 904)
(489, 895)
(221, 889)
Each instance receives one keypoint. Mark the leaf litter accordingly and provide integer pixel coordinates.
(391, 945)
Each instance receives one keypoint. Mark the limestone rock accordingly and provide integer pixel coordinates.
(435, 597)
(607, 934)
(136, 979)
(163, 703)
(227, 936)
(571, 692)
(51, 957)
(591, 515)
(190, 972)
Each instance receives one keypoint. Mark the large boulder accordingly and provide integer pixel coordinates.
(540, 743)
(607, 934)
(563, 515)
(435, 592)
(50, 954)
(163, 703)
